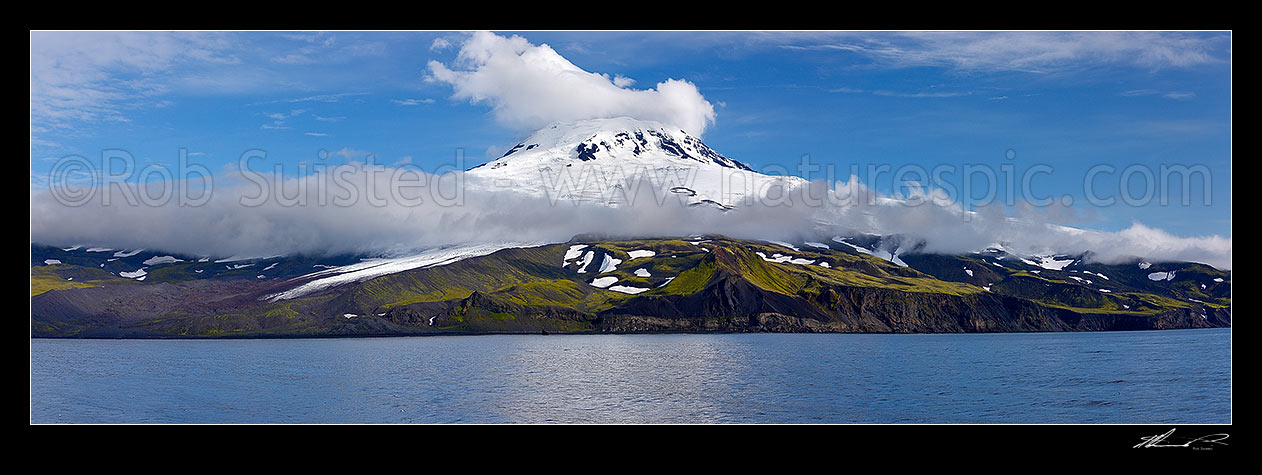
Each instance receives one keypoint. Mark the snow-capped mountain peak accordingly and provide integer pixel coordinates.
(614, 139)
(626, 149)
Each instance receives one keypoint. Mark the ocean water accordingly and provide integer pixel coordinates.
(1172, 376)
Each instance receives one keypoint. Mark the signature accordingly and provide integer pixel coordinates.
(1164, 440)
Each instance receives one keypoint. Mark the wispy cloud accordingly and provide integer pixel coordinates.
(315, 134)
(286, 115)
(322, 47)
(1029, 51)
(1176, 95)
(279, 119)
(315, 98)
(439, 44)
(888, 93)
(101, 76)
(349, 153)
(412, 102)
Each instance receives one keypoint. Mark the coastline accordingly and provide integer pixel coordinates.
(560, 333)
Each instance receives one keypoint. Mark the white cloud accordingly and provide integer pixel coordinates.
(324, 48)
(1031, 51)
(349, 153)
(623, 81)
(225, 226)
(439, 44)
(315, 134)
(889, 93)
(1176, 95)
(285, 115)
(412, 102)
(94, 76)
(316, 98)
(1179, 95)
(531, 86)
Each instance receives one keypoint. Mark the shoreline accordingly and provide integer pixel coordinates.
(493, 333)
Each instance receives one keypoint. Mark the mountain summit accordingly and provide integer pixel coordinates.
(603, 160)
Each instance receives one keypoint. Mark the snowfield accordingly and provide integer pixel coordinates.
(378, 267)
(641, 253)
(889, 256)
(572, 253)
(1050, 262)
(781, 258)
(608, 264)
(160, 260)
(587, 259)
(606, 160)
(627, 290)
(603, 282)
(785, 244)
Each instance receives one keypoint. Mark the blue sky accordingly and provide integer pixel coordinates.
(1069, 100)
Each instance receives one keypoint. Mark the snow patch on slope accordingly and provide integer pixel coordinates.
(572, 253)
(628, 290)
(886, 255)
(608, 264)
(161, 260)
(603, 282)
(785, 244)
(641, 253)
(1051, 262)
(378, 267)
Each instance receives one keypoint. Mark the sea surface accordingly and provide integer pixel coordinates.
(1172, 376)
